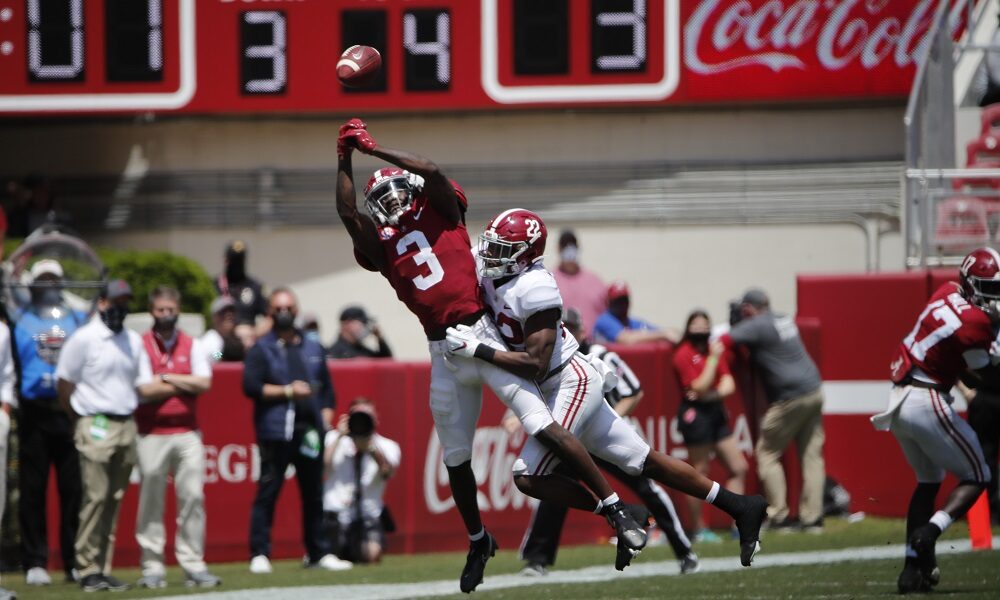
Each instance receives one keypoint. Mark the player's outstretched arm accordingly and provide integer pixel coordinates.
(439, 190)
(359, 225)
(539, 342)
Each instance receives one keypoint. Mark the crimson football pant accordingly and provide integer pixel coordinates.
(541, 540)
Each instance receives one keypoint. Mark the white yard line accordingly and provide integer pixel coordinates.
(425, 589)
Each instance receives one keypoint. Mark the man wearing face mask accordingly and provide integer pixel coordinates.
(579, 287)
(355, 328)
(617, 326)
(46, 435)
(247, 293)
(102, 371)
(286, 376)
(170, 446)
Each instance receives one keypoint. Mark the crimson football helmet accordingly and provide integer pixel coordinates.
(512, 242)
(390, 192)
(980, 279)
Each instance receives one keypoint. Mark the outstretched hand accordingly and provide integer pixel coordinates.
(346, 138)
(462, 341)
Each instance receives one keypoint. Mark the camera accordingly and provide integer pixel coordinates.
(735, 313)
(360, 424)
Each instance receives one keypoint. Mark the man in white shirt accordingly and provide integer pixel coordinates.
(7, 403)
(220, 342)
(357, 462)
(99, 373)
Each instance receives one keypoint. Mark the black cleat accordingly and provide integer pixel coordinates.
(689, 564)
(624, 555)
(748, 524)
(630, 532)
(480, 551)
(911, 580)
(923, 541)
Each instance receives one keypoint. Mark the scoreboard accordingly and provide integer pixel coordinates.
(253, 56)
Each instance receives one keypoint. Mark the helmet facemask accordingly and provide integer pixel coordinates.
(390, 200)
(499, 258)
(986, 295)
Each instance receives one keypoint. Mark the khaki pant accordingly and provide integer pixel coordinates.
(799, 420)
(4, 436)
(105, 465)
(181, 455)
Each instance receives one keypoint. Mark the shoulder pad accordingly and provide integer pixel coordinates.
(540, 292)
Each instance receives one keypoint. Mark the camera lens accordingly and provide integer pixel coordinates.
(360, 423)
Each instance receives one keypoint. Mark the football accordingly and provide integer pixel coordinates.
(358, 66)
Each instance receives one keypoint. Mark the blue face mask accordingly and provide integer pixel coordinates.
(569, 254)
(313, 335)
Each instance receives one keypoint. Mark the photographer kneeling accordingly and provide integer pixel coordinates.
(356, 464)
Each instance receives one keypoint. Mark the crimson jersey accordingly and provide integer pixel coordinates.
(428, 261)
(950, 336)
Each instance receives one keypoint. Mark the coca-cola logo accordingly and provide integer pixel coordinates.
(723, 35)
(493, 454)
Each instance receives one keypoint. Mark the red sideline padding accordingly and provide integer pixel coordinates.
(418, 495)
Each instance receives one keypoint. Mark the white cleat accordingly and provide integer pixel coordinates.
(260, 565)
(332, 563)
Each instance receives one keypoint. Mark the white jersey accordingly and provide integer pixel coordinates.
(511, 304)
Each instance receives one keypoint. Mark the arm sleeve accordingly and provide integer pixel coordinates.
(391, 452)
(7, 377)
(254, 370)
(144, 374)
(327, 397)
(71, 359)
(200, 364)
(687, 371)
(607, 328)
(747, 332)
(541, 295)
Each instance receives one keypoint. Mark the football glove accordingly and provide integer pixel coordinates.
(356, 138)
(462, 341)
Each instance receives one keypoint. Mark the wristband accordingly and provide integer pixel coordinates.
(484, 352)
(288, 391)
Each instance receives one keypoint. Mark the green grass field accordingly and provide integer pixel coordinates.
(968, 575)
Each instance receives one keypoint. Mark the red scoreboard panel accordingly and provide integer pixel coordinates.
(236, 56)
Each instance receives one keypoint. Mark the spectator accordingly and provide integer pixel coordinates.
(247, 293)
(579, 287)
(616, 326)
(541, 540)
(220, 342)
(702, 417)
(287, 378)
(46, 432)
(356, 329)
(309, 325)
(795, 412)
(7, 403)
(170, 445)
(357, 463)
(99, 370)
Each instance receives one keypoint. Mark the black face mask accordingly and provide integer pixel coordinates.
(698, 338)
(114, 317)
(236, 270)
(165, 323)
(284, 320)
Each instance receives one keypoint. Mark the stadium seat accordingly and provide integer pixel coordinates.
(980, 153)
(962, 223)
(990, 120)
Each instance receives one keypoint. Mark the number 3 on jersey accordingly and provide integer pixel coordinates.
(950, 323)
(424, 256)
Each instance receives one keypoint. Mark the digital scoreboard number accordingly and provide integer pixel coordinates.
(223, 56)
